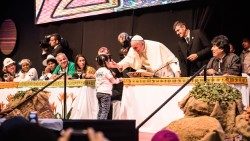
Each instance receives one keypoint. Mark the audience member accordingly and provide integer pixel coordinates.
(150, 56)
(165, 135)
(64, 65)
(83, 68)
(9, 69)
(18, 128)
(194, 48)
(92, 135)
(104, 84)
(50, 64)
(26, 73)
(223, 62)
(245, 56)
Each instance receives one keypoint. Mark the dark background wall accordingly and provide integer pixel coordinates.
(86, 35)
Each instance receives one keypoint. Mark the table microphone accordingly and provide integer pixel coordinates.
(162, 68)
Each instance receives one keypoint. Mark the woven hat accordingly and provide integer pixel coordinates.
(7, 61)
(25, 61)
(49, 57)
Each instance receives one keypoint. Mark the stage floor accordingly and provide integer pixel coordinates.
(144, 136)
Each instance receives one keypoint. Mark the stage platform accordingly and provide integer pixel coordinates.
(114, 130)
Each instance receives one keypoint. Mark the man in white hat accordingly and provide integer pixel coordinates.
(150, 56)
(9, 69)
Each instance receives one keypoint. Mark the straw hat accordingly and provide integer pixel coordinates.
(49, 57)
(25, 61)
(7, 61)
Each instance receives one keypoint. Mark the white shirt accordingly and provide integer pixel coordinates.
(158, 59)
(28, 76)
(105, 80)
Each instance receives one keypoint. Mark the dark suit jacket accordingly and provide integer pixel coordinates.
(57, 50)
(198, 44)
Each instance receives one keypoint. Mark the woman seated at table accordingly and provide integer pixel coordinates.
(9, 70)
(223, 62)
(83, 70)
(26, 73)
(50, 64)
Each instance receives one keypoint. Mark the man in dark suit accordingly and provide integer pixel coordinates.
(194, 48)
(57, 45)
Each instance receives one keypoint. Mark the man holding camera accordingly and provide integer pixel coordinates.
(54, 42)
(56, 45)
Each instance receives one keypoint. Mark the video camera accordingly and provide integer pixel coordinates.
(44, 43)
(126, 42)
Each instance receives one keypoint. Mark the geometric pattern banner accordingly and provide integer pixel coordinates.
(58, 10)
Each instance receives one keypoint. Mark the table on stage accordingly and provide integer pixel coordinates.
(141, 96)
(81, 96)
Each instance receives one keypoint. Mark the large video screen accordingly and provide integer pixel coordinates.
(58, 10)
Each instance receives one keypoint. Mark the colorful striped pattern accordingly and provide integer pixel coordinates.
(8, 35)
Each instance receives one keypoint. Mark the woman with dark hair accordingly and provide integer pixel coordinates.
(223, 62)
(83, 70)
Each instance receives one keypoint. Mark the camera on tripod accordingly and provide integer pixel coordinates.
(44, 43)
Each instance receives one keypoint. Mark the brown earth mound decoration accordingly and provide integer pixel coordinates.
(243, 124)
(220, 101)
(23, 105)
(203, 128)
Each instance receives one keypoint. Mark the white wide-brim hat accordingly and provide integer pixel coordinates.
(49, 57)
(7, 61)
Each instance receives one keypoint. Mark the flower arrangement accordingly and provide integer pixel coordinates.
(70, 98)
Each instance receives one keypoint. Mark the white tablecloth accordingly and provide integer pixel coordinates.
(138, 102)
(85, 104)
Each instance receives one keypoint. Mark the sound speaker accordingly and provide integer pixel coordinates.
(114, 130)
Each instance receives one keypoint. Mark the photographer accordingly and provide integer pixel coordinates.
(54, 44)
(124, 40)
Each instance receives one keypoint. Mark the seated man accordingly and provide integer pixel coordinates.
(223, 62)
(64, 65)
(150, 56)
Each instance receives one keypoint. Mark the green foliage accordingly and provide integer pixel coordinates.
(211, 92)
(20, 94)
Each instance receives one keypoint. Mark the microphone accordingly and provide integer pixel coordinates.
(168, 63)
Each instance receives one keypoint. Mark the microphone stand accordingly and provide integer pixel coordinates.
(173, 95)
(162, 68)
